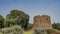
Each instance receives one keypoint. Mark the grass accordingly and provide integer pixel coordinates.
(28, 32)
(1, 33)
(25, 32)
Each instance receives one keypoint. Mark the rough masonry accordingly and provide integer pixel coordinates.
(42, 22)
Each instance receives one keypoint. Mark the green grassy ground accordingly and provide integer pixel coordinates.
(1, 33)
(28, 32)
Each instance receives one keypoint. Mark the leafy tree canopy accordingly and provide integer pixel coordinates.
(1, 18)
(19, 17)
(56, 26)
(1, 21)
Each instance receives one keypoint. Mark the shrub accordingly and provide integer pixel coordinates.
(56, 26)
(12, 30)
(39, 31)
(5, 30)
(49, 31)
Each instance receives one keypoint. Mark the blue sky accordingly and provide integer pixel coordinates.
(33, 8)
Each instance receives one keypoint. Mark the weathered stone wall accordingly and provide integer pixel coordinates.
(42, 22)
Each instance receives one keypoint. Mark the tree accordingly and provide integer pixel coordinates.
(10, 22)
(56, 26)
(21, 17)
(30, 26)
(1, 21)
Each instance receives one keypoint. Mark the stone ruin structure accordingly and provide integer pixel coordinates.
(42, 22)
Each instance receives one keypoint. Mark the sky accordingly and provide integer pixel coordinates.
(33, 8)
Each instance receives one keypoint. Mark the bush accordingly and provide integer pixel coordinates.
(12, 30)
(39, 31)
(56, 26)
(49, 31)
